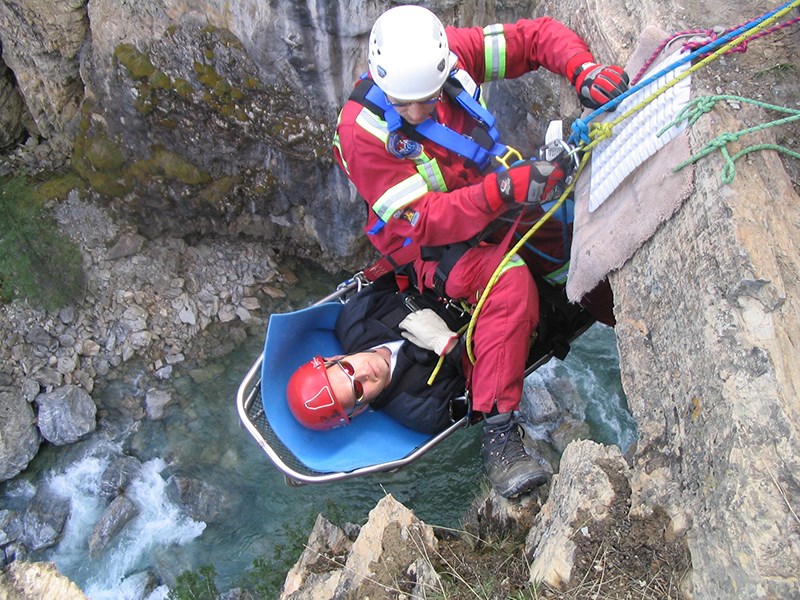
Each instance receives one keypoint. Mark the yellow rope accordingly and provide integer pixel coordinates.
(598, 132)
(507, 257)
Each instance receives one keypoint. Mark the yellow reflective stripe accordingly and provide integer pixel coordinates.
(399, 196)
(429, 174)
(559, 276)
(372, 124)
(514, 261)
(494, 52)
(430, 171)
(427, 167)
(338, 146)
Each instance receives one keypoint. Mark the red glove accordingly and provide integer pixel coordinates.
(597, 84)
(527, 181)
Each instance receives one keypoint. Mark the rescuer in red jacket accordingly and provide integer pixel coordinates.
(416, 141)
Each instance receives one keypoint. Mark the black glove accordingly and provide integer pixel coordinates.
(527, 181)
(597, 84)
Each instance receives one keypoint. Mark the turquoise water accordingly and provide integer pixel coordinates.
(201, 437)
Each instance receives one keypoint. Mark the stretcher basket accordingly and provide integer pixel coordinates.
(373, 443)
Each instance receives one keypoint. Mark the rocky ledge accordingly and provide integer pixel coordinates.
(586, 536)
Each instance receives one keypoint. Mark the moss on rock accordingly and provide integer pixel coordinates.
(176, 167)
(136, 63)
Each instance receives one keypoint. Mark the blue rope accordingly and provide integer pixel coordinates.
(580, 127)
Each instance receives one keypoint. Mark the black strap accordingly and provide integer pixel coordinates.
(450, 256)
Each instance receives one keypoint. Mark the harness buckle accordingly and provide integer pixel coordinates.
(509, 157)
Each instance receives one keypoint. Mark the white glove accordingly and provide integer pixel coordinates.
(426, 329)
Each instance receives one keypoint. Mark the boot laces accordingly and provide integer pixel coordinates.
(506, 443)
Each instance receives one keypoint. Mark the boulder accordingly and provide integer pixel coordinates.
(34, 581)
(118, 475)
(116, 516)
(585, 535)
(320, 561)
(202, 500)
(19, 438)
(44, 519)
(391, 554)
(155, 401)
(65, 415)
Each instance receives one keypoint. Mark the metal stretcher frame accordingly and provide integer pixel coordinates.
(254, 419)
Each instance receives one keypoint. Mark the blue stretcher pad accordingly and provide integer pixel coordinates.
(372, 438)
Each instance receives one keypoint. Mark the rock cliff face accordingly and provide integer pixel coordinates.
(215, 117)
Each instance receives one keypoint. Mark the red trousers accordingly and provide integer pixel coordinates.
(503, 329)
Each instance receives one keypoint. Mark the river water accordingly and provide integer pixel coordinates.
(201, 437)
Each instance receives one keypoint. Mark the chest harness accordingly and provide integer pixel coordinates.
(482, 149)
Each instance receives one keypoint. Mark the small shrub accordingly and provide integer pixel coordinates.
(195, 585)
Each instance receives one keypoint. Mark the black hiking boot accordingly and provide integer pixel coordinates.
(510, 469)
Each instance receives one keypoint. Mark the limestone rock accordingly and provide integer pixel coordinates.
(538, 405)
(581, 492)
(125, 246)
(19, 438)
(34, 581)
(391, 554)
(11, 118)
(155, 402)
(41, 43)
(492, 518)
(118, 475)
(65, 415)
(318, 567)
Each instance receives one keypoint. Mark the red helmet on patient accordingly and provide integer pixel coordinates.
(311, 397)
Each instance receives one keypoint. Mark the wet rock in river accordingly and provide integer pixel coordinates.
(117, 515)
(203, 501)
(155, 402)
(44, 519)
(118, 475)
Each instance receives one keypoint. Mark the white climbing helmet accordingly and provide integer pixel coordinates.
(409, 57)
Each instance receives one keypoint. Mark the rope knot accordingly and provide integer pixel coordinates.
(704, 104)
(601, 131)
(723, 139)
(580, 131)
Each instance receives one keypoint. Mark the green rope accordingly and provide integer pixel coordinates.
(700, 106)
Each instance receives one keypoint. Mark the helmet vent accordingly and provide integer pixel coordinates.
(440, 66)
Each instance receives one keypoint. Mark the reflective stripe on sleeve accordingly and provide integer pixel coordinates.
(399, 196)
(514, 261)
(373, 125)
(338, 148)
(494, 51)
(429, 169)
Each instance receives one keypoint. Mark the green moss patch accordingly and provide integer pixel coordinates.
(136, 63)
